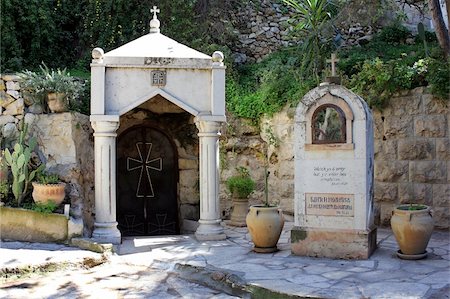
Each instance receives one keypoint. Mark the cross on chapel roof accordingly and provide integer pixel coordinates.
(333, 61)
(154, 23)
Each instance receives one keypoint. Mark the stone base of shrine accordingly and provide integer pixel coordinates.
(333, 243)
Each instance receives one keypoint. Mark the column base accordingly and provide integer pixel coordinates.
(333, 243)
(210, 230)
(106, 232)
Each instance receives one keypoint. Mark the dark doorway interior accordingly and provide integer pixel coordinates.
(147, 176)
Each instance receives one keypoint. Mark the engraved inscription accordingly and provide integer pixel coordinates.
(336, 176)
(329, 204)
(158, 60)
(159, 78)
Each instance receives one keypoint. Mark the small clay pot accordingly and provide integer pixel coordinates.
(43, 193)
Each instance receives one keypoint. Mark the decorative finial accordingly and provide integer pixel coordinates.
(154, 23)
(217, 58)
(97, 55)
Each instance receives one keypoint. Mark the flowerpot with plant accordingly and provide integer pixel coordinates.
(240, 187)
(412, 225)
(47, 187)
(265, 222)
(57, 87)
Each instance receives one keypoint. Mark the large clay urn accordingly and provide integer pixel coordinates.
(43, 193)
(412, 226)
(265, 225)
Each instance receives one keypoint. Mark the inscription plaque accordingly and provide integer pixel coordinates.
(330, 204)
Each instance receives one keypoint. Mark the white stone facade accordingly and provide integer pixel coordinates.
(147, 68)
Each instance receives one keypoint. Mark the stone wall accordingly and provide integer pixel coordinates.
(65, 145)
(262, 27)
(412, 156)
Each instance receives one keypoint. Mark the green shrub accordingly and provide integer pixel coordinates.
(438, 76)
(395, 33)
(241, 185)
(47, 178)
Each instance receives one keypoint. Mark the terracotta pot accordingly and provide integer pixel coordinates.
(239, 212)
(265, 225)
(43, 193)
(57, 102)
(412, 229)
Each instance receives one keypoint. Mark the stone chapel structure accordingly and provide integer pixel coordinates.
(146, 97)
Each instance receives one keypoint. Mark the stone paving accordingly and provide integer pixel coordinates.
(169, 261)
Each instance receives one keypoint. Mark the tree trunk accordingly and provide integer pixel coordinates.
(439, 25)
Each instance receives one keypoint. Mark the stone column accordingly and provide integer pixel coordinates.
(105, 226)
(209, 228)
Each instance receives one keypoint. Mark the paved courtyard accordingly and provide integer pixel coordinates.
(182, 267)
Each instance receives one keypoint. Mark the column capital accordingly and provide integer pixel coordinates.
(206, 127)
(105, 125)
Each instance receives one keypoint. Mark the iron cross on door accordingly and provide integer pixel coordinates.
(146, 180)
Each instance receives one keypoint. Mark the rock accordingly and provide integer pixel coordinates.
(364, 40)
(10, 131)
(10, 77)
(4, 119)
(15, 108)
(2, 85)
(12, 85)
(14, 93)
(5, 99)
(36, 109)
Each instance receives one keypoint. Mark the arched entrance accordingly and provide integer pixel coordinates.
(147, 177)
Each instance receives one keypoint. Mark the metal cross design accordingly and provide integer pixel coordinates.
(144, 164)
(154, 10)
(161, 226)
(333, 61)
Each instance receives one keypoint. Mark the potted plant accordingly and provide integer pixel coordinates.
(412, 225)
(240, 187)
(265, 221)
(48, 187)
(56, 86)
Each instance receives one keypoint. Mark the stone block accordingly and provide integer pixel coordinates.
(443, 149)
(189, 195)
(10, 77)
(333, 243)
(432, 105)
(391, 171)
(415, 193)
(386, 210)
(12, 85)
(385, 150)
(74, 228)
(15, 108)
(184, 164)
(409, 105)
(427, 172)
(2, 85)
(441, 217)
(36, 109)
(398, 126)
(416, 149)
(378, 125)
(4, 119)
(190, 212)
(189, 178)
(441, 195)
(30, 226)
(386, 192)
(430, 126)
(14, 93)
(5, 99)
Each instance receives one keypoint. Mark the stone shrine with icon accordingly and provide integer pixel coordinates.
(156, 108)
(333, 175)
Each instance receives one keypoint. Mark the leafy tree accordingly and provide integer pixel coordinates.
(310, 18)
